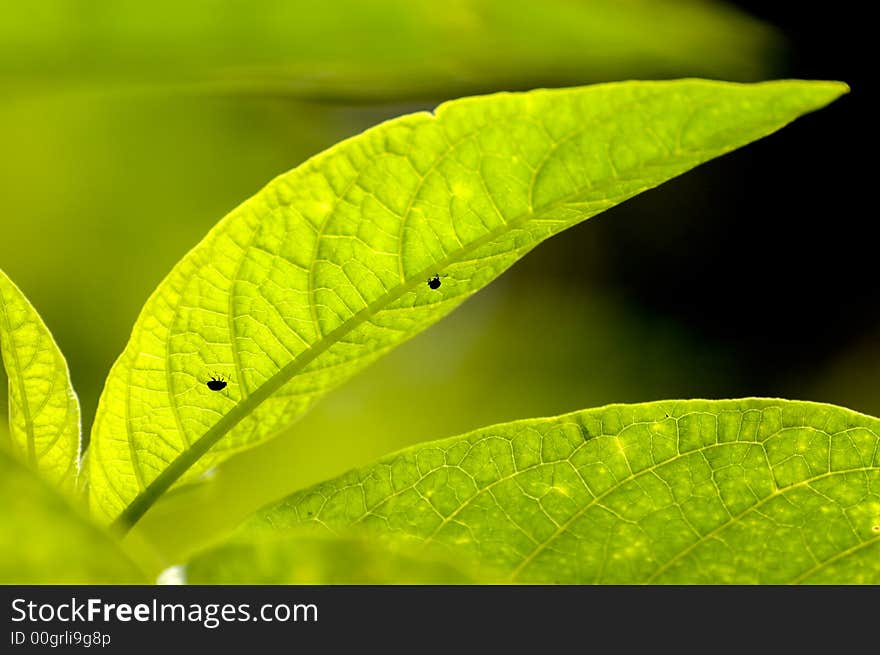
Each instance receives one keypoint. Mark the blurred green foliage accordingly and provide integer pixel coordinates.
(45, 542)
(322, 559)
(355, 49)
(128, 129)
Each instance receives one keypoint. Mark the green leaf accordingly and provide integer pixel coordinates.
(377, 49)
(730, 491)
(44, 417)
(325, 269)
(44, 540)
(320, 559)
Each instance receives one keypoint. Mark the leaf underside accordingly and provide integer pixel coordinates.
(690, 492)
(325, 269)
(44, 414)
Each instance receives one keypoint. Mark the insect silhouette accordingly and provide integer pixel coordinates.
(216, 383)
(434, 282)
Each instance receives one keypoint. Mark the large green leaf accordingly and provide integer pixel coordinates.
(731, 491)
(375, 49)
(320, 559)
(325, 269)
(44, 419)
(45, 540)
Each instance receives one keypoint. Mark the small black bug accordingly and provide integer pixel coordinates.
(216, 383)
(434, 282)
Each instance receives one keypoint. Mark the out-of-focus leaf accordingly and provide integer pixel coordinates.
(377, 49)
(326, 268)
(320, 559)
(44, 420)
(44, 540)
(730, 491)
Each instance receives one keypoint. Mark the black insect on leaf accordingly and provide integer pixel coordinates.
(434, 282)
(216, 383)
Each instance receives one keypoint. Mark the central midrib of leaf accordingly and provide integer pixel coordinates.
(145, 499)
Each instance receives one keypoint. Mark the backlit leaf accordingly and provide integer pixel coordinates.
(326, 268)
(691, 492)
(44, 417)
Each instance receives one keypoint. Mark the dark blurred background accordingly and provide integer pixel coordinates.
(128, 130)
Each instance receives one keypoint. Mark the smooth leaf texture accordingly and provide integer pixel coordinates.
(376, 49)
(325, 269)
(734, 491)
(44, 540)
(320, 559)
(44, 415)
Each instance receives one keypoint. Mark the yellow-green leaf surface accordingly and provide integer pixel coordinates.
(731, 491)
(44, 417)
(320, 559)
(44, 540)
(326, 268)
(375, 49)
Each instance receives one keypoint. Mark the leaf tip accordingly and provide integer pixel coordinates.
(830, 90)
(836, 87)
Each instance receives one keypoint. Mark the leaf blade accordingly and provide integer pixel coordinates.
(669, 492)
(326, 268)
(44, 413)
